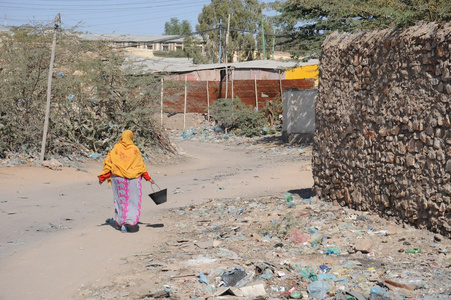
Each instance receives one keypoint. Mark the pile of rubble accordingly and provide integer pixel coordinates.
(210, 134)
(284, 247)
(268, 145)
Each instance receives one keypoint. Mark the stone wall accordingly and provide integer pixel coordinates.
(383, 129)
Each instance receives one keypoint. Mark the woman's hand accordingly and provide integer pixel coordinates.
(104, 177)
(151, 181)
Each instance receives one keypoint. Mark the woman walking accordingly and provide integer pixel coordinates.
(123, 168)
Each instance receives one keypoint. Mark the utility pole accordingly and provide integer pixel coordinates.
(184, 107)
(49, 86)
(208, 103)
(263, 36)
(273, 40)
(161, 100)
(227, 39)
(226, 56)
(220, 38)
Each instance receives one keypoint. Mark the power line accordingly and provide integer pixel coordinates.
(99, 15)
(18, 11)
(109, 7)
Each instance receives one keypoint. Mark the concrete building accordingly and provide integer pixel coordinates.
(4, 28)
(148, 42)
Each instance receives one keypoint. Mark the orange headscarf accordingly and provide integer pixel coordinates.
(125, 159)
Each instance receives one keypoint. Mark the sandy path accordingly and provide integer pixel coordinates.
(53, 237)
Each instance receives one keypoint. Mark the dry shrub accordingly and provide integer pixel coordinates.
(94, 96)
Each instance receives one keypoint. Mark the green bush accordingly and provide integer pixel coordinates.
(234, 116)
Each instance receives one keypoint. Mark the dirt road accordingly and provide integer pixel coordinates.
(53, 234)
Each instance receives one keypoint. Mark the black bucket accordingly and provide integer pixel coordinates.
(159, 197)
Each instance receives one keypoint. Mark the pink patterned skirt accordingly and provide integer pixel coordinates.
(127, 195)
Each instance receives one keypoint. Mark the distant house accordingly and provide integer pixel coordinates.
(181, 68)
(254, 82)
(259, 84)
(147, 42)
(4, 28)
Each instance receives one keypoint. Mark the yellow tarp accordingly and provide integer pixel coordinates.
(304, 72)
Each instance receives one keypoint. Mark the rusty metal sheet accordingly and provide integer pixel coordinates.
(174, 93)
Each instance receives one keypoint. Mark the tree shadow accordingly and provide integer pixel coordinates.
(271, 139)
(303, 193)
(280, 140)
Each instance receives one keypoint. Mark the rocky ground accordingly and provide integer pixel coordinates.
(281, 246)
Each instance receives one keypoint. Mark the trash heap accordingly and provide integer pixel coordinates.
(285, 247)
(268, 145)
(213, 134)
(207, 133)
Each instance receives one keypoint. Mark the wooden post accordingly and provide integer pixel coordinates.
(256, 95)
(161, 101)
(227, 82)
(184, 109)
(208, 104)
(220, 41)
(233, 76)
(227, 58)
(263, 40)
(49, 87)
(280, 86)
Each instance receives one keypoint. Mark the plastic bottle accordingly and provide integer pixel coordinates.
(414, 250)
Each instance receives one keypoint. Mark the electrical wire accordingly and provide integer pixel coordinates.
(97, 15)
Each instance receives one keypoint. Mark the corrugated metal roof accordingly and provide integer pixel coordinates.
(185, 65)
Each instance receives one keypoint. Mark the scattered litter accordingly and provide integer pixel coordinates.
(318, 289)
(259, 249)
(203, 278)
(231, 278)
(94, 155)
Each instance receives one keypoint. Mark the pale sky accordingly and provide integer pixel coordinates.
(139, 17)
